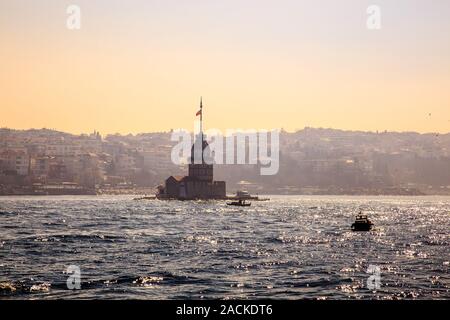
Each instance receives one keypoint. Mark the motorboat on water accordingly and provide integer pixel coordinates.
(239, 203)
(362, 223)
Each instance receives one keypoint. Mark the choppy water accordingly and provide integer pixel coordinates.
(290, 248)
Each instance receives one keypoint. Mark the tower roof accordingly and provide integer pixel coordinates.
(200, 150)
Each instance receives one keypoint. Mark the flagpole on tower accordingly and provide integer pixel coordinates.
(201, 117)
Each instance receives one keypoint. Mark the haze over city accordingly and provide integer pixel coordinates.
(141, 66)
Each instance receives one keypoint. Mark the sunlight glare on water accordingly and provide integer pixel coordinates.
(287, 248)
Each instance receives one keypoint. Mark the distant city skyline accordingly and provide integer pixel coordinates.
(311, 161)
(141, 66)
(220, 133)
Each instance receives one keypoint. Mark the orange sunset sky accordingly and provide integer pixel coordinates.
(141, 66)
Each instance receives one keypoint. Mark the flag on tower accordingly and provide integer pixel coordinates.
(199, 113)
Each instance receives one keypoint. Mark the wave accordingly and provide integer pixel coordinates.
(21, 287)
(8, 213)
(97, 237)
(24, 287)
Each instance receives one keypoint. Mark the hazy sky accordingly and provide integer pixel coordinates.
(142, 65)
